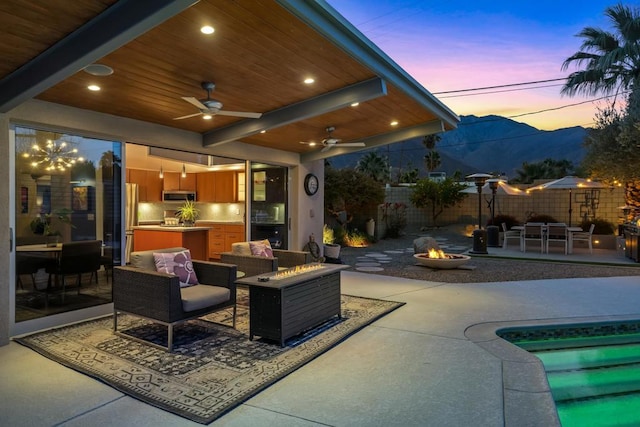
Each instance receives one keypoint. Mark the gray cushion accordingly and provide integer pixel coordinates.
(144, 259)
(202, 296)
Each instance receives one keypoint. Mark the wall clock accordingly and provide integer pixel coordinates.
(311, 184)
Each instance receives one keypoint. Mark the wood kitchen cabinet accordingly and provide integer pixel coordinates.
(217, 187)
(173, 181)
(149, 184)
(221, 236)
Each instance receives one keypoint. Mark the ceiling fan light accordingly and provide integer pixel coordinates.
(207, 116)
(93, 88)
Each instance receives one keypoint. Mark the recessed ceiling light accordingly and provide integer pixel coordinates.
(394, 123)
(207, 29)
(355, 104)
(263, 131)
(98, 70)
(207, 116)
(309, 80)
(93, 88)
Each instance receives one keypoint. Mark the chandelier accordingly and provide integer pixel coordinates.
(53, 156)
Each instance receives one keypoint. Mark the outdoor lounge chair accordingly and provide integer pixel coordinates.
(142, 291)
(252, 265)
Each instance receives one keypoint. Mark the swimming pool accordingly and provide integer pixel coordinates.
(593, 370)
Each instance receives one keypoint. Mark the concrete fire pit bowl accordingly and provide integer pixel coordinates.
(448, 262)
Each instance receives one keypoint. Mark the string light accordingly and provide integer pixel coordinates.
(53, 156)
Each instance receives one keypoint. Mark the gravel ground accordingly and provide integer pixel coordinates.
(481, 269)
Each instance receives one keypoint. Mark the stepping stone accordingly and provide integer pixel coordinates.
(377, 255)
(458, 248)
(393, 252)
(371, 269)
(367, 264)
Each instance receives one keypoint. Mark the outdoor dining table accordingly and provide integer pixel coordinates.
(570, 231)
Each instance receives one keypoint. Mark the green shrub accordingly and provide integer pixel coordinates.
(542, 218)
(507, 219)
(602, 226)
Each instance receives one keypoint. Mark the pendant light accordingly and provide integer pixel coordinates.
(184, 171)
(161, 172)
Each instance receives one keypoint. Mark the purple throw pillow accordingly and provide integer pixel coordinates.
(261, 248)
(177, 263)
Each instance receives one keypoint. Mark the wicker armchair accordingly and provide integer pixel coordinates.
(141, 291)
(252, 265)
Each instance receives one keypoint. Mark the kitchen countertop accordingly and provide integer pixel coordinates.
(171, 228)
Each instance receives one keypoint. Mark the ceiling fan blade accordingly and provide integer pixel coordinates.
(195, 101)
(326, 148)
(239, 114)
(187, 116)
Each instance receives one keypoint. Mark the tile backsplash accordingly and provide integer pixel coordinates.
(223, 212)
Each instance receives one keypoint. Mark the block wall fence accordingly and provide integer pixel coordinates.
(548, 202)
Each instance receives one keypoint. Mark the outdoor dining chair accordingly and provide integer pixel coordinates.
(584, 236)
(510, 234)
(557, 232)
(533, 232)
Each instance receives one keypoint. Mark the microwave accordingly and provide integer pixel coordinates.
(178, 196)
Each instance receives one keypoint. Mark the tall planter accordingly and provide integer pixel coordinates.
(332, 250)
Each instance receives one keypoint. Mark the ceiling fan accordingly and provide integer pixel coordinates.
(329, 142)
(212, 106)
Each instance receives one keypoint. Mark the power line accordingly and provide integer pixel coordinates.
(499, 86)
(496, 91)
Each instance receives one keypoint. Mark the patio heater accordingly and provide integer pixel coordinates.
(493, 231)
(479, 235)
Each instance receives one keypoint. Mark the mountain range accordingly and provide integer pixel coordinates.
(486, 144)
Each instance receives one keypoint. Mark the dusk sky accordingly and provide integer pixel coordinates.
(457, 44)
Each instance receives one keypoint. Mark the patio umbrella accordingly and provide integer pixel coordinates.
(503, 189)
(568, 183)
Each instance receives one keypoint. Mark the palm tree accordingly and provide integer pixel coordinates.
(612, 65)
(375, 166)
(432, 160)
(431, 140)
(612, 61)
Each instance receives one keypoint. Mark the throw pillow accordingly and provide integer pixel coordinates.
(261, 248)
(177, 263)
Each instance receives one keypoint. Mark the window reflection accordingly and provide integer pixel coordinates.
(68, 190)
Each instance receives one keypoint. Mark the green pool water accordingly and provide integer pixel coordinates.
(595, 381)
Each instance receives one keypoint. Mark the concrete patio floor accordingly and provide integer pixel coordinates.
(413, 367)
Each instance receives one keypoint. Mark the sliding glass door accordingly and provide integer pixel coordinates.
(68, 189)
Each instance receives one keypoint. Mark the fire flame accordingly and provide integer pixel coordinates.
(437, 253)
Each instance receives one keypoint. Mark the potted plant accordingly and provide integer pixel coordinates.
(42, 225)
(331, 249)
(188, 213)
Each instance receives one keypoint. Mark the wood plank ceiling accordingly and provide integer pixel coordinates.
(258, 57)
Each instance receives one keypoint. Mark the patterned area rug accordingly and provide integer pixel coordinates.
(213, 367)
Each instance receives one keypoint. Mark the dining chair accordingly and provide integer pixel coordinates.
(76, 258)
(557, 232)
(510, 234)
(584, 236)
(533, 232)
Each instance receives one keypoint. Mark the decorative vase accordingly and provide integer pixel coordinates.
(52, 241)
